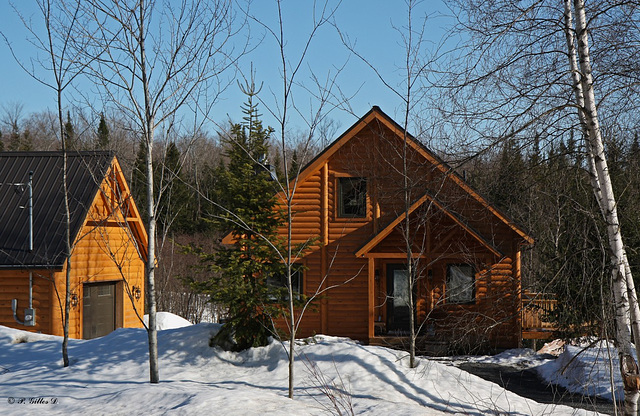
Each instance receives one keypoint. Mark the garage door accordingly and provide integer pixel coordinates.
(99, 310)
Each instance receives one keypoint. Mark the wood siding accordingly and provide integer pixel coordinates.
(105, 250)
(14, 284)
(454, 225)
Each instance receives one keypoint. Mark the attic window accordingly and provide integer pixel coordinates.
(352, 197)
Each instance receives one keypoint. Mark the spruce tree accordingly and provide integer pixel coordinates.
(175, 208)
(247, 197)
(295, 165)
(102, 137)
(139, 180)
(69, 134)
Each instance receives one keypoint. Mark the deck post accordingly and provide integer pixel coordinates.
(518, 278)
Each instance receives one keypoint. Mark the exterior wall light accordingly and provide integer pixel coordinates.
(137, 293)
(74, 299)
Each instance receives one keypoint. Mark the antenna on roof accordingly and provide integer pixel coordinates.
(30, 211)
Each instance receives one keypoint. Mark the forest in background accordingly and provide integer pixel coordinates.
(534, 104)
(545, 190)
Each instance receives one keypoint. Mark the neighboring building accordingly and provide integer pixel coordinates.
(350, 201)
(107, 234)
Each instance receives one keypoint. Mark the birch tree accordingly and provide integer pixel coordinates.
(154, 59)
(533, 66)
(56, 65)
(624, 293)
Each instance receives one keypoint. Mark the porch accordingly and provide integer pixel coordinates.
(535, 308)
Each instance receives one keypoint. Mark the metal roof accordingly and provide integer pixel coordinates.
(85, 172)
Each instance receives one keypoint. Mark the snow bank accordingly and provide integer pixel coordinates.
(167, 320)
(517, 357)
(109, 375)
(586, 371)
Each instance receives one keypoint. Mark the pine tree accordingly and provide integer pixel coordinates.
(247, 194)
(26, 142)
(139, 180)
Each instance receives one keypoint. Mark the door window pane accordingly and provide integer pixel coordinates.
(400, 289)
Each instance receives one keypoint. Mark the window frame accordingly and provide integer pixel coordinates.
(460, 296)
(299, 271)
(340, 196)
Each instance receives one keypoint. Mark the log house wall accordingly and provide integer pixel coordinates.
(352, 306)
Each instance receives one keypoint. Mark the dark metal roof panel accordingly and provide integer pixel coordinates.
(85, 171)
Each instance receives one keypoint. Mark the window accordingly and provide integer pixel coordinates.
(460, 283)
(279, 283)
(352, 197)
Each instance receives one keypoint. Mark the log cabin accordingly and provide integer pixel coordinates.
(107, 237)
(353, 200)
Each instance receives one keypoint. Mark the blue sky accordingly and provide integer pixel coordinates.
(369, 23)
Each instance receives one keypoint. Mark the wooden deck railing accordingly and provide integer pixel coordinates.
(534, 308)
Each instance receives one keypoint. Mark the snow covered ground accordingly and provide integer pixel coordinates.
(109, 376)
(586, 371)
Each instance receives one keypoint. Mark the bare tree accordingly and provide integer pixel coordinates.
(291, 68)
(61, 60)
(415, 69)
(152, 60)
(625, 297)
(529, 68)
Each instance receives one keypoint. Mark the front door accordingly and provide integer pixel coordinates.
(398, 311)
(99, 310)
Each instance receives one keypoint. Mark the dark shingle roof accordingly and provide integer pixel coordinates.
(85, 171)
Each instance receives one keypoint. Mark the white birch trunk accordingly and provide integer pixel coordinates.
(67, 237)
(152, 332)
(623, 289)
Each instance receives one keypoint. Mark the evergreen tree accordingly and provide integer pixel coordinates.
(276, 164)
(176, 202)
(139, 180)
(295, 164)
(26, 142)
(69, 134)
(102, 136)
(247, 194)
(14, 139)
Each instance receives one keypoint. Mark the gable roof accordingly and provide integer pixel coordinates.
(85, 172)
(376, 114)
(376, 239)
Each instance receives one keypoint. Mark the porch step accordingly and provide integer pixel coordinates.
(423, 346)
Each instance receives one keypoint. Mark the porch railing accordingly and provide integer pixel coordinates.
(535, 307)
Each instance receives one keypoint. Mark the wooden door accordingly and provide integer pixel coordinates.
(99, 310)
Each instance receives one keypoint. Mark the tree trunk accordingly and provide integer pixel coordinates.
(152, 332)
(623, 290)
(408, 246)
(292, 335)
(67, 236)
